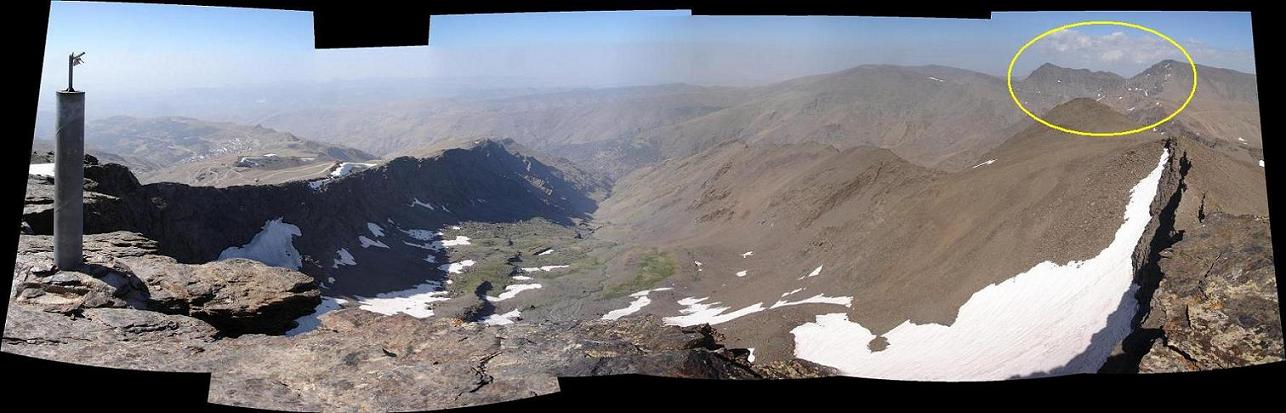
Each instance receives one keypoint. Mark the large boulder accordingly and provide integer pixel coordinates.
(1216, 306)
(103, 282)
(123, 270)
(237, 295)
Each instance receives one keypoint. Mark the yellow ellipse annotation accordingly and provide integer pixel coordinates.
(1009, 78)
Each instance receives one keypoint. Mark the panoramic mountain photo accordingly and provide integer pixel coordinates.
(546, 195)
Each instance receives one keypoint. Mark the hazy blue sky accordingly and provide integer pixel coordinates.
(156, 49)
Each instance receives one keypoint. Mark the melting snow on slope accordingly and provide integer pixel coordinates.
(345, 258)
(459, 240)
(639, 302)
(547, 251)
(375, 229)
(934, 78)
(783, 295)
(413, 301)
(349, 167)
(816, 299)
(456, 267)
(512, 290)
(521, 278)
(309, 322)
(544, 268)
(816, 271)
(985, 163)
(741, 273)
(1261, 163)
(273, 245)
(747, 254)
(367, 242)
(1021, 326)
(698, 263)
(416, 202)
(698, 312)
(42, 169)
(501, 319)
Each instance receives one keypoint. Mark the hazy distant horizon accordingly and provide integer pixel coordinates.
(145, 59)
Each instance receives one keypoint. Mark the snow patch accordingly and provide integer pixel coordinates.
(456, 267)
(41, 169)
(375, 229)
(816, 271)
(346, 168)
(413, 301)
(367, 242)
(273, 245)
(747, 254)
(783, 295)
(345, 258)
(547, 251)
(544, 268)
(639, 302)
(501, 319)
(1062, 319)
(309, 322)
(816, 299)
(697, 312)
(985, 163)
(934, 78)
(459, 240)
(741, 273)
(512, 290)
(416, 202)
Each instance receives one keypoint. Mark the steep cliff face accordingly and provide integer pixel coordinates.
(1216, 305)
(1207, 287)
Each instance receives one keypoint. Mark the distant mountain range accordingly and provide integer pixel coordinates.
(198, 152)
(933, 116)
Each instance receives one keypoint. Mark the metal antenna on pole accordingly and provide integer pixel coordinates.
(73, 60)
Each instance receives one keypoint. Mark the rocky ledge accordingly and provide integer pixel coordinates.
(1216, 306)
(129, 307)
(122, 270)
(361, 360)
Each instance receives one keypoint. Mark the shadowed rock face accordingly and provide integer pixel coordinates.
(1217, 305)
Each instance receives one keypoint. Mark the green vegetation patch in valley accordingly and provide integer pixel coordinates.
(653, 268)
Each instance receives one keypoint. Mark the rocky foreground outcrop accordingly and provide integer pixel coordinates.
(1217, 306)
(361, 360)
(130, 307)
(122, 270)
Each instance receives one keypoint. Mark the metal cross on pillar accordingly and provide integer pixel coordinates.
(69, 173)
